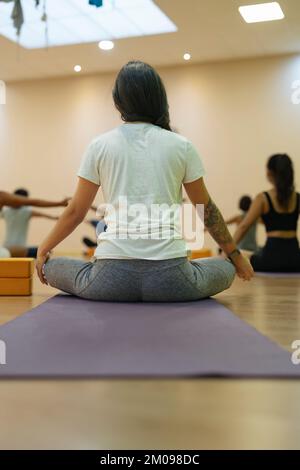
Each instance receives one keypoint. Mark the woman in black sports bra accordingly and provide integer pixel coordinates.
(279, 209)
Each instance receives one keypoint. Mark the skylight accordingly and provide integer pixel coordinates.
(261, 12)
(76, 22)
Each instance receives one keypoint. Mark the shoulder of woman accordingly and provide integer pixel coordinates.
(261, 196)
(104, 137)
(260, 199)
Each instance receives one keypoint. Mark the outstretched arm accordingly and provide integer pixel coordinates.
(253, 215)
(236, 219)
(72, 216)
(215, 224)
(12, 200)
(44, 216)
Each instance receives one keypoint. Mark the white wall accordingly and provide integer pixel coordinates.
(237, 114)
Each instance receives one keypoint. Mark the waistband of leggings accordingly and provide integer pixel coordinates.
(282, 241)
(143, 263)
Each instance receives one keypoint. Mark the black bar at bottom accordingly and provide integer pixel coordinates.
(142, 458)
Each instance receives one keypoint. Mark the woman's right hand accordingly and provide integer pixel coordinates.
(243, 267)
(40, 264)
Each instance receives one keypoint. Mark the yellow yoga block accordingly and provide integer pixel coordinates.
(90, 252)
(17, 286)
(201, 253)
(16, 268)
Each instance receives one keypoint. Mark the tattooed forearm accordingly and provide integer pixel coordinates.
(214, 222)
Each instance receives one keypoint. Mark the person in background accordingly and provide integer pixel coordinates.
(16, 210)
(98, 224)
(248, 242)
(279, 210)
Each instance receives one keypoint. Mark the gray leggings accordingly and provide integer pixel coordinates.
(172, 280)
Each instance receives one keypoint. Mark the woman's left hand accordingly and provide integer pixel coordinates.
(40, 263)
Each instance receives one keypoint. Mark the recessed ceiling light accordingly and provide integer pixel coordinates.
(106, 45)
(262, 12)
(77, 68)
(187, 56)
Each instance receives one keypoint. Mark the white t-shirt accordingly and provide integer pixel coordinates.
(17, 224)
(4, 253)
(141, 166)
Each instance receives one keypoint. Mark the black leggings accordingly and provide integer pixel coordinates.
(278, 255)
(32, 252)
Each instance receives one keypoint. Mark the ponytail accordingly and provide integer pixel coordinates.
(282, 170)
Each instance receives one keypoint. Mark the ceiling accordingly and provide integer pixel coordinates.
(72, 22)
(211, 30)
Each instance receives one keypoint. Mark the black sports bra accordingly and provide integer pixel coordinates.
(281, 221)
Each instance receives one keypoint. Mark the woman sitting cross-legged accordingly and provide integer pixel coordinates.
(141, 164)
(279, 210)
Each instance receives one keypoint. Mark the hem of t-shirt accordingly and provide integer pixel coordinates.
(191, 180)
(88, 178)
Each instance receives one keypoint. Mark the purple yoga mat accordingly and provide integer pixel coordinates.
(69, 337)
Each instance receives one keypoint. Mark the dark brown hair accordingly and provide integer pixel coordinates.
(139, 95)
(245, 203)
(281, 167)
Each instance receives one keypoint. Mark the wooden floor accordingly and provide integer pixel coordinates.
(163, 414)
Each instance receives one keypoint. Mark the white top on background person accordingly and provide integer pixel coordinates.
(17, 225)
(20, 202)
(17, 217)
(4, 252)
